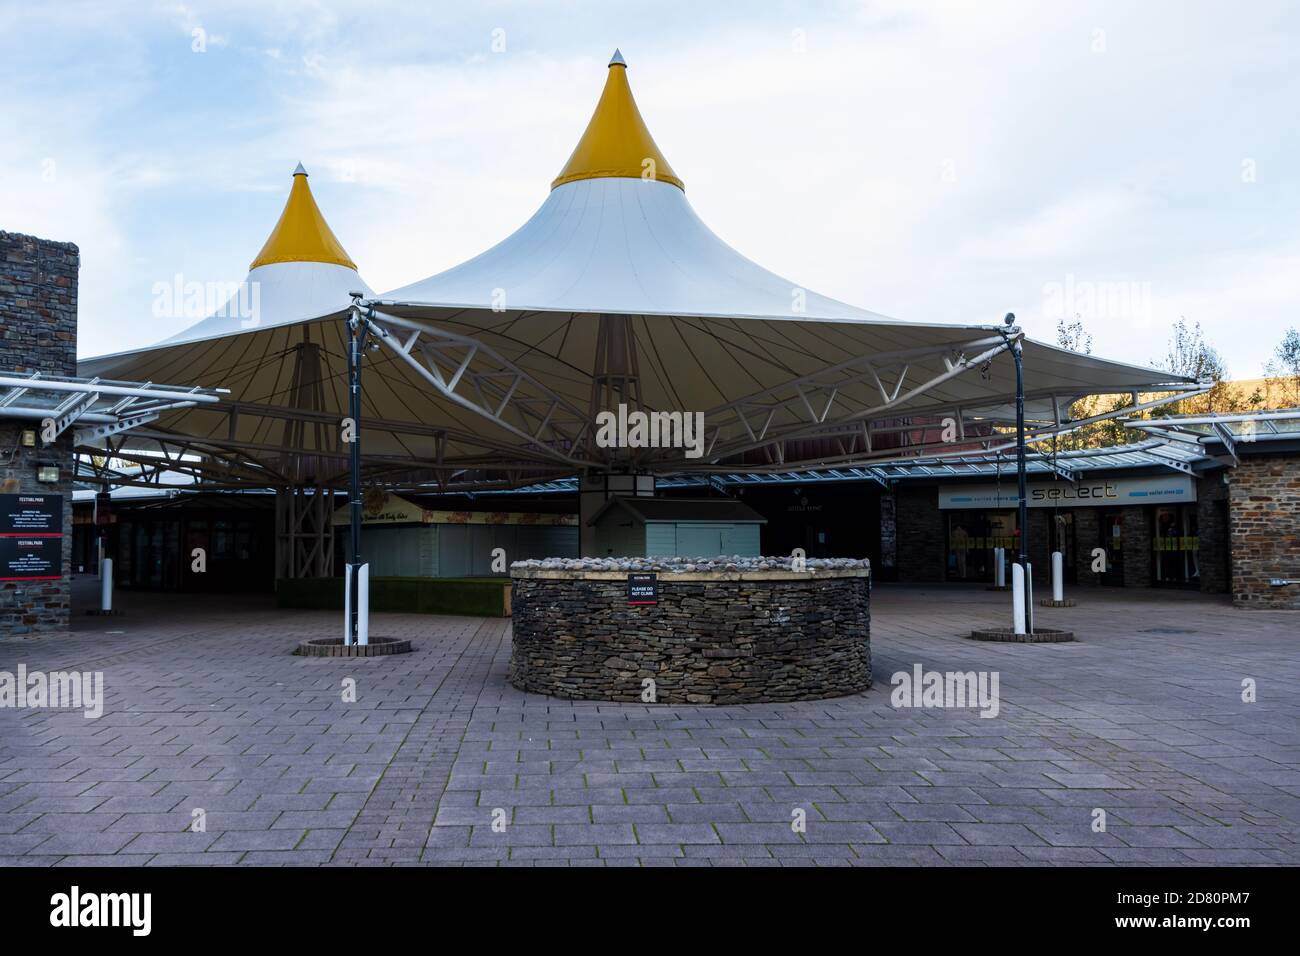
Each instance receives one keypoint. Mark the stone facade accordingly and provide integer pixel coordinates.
(1264, 497)
(1212, 533)
(1087, 536)
(1137, 547)
(1040, 554)
(888, 538)
(922, 537)
(38, 333)
(712, 638)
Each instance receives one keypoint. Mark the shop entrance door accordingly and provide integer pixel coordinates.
(1175, 546)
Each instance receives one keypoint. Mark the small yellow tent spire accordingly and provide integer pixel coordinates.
(617, 142)
(302, 235)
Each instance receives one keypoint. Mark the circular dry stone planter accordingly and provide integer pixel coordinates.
(719, 631)
(334, 647)
(1048, 602)
(1041, 635)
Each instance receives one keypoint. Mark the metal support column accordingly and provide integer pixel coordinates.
(1017, 352)
(358, 329)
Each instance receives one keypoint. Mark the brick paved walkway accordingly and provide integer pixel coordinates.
(206, 709)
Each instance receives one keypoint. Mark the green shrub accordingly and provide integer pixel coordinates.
(471, 597)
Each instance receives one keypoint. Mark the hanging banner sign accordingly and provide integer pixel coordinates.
(31, 514)
(643, 588)
(1096, 493)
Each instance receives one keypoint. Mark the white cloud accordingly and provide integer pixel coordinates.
(941, 161)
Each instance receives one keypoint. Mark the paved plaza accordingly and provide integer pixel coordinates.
(440, 761)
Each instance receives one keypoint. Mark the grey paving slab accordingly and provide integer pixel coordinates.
(206, 709)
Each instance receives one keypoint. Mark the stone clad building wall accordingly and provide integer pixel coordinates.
(1087, 537)
(38, 333)
(713, 638)
(1137, 547)
(922, 549)
(1264, 494)
(1212, 532)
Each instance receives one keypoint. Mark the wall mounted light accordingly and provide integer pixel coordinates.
(47, 474)
(29, 438)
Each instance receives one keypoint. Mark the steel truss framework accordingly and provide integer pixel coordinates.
(809, 407)
(98, 408)
(532, 432)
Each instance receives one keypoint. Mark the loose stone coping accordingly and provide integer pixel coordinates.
(334, 647)
(670, 576)
(1041, 635)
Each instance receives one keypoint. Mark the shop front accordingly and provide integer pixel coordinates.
(1120, 531)
(972, 537)
(203, 542)
(1175, 546)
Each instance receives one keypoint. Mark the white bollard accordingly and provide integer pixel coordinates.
(1017, 599)
(106, 585)
(347, 605)
(999, 567)
(363, 605)
(1058, 577)
(1029, 598)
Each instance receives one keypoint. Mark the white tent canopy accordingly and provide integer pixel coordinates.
(614, 292)
(630, 246)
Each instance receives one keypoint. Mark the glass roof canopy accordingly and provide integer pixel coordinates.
(1153, 453)
(1229, 430)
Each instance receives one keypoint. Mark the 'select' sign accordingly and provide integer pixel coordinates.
(1072, 494)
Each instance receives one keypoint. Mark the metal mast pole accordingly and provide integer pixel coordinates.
(356, 330)
(1023, 516)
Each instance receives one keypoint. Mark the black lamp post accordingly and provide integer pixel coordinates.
(1017, 353)
(358, 330)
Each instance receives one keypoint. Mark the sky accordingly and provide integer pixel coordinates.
(1126, 163)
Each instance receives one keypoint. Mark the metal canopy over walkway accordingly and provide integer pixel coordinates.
(99, 413)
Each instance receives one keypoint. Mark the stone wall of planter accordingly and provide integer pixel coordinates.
(715, 636)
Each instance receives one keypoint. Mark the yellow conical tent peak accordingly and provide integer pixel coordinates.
(617, 142)
(302, 235)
